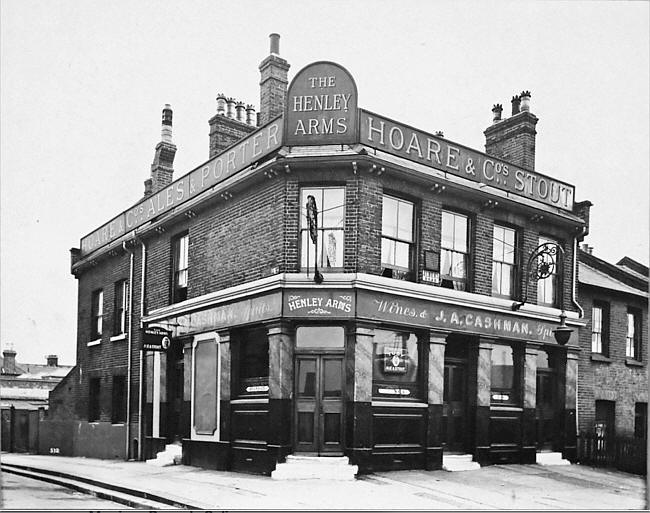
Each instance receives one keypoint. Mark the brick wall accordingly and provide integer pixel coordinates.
(225, 132)
(613, 379)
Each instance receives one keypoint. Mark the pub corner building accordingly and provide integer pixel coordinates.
(331, 282)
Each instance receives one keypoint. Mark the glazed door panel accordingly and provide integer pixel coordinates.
(454, 409)
(546, 410)
(319, 404)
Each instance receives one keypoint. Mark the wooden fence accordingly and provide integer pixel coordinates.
(627, 454)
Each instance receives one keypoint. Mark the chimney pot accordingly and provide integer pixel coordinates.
(221, 104)
(166, 129)
(250, 115)
(440, 133)
(515, 104)
(497, 109)
(525, 101)
(231, 107)
(275, 43)
(240, 108)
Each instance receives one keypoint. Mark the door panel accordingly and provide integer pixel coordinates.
(319, 404)
(454, 409)
(546, 410)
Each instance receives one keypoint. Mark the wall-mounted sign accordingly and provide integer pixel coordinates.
(318, 303)
(439, 153)
(156, 338)
(417, 312)
(252, 148)
(321, 106)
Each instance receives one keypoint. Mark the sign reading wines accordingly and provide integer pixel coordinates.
(322, 106)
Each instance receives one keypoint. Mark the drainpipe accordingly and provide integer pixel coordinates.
(575, 267)
(128, 365)
(141, 384)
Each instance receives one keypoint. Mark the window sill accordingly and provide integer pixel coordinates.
(598, 357)
(121, 336)
(631, 362)
(95, 342)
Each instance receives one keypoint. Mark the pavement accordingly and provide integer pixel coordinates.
(531, 487)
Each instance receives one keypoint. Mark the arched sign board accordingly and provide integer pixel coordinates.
(322, 106)
(156, 338)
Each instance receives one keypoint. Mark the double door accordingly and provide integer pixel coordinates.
(319, 415)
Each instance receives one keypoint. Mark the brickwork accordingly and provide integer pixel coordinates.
(614, 378)
(513, 139)
(162, 168)
(225, 132)
(273, 87)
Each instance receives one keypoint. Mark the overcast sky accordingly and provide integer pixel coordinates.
(83, 84)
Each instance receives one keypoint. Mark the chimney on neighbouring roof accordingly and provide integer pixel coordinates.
(52, 360)
(513, 139)
(273, 82)
(162, 168)
(9, 363)
(587, 248)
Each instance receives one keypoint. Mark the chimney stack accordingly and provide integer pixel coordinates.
(230, 124)
(52, 360)
(273, 82)
(513, 139)
(9, 364)
(162, 168)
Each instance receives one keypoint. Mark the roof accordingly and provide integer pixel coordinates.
(37, 370)
(588, 275)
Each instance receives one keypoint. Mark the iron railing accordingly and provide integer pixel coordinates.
(626, 454)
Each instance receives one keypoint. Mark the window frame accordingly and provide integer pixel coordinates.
(446, 279)
(97, 314)
(120, 307)
(393, 270)
(515, 392)
(242, 338)
(633, 343)
(306, 250)
(603, 306)
(417, 385)
(178, 292)
(556, 277)
(514, 266)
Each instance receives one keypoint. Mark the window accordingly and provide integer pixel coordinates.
(253, 347)
(396, 237)
(633, 336)
(120, 307)
(504, 375)
(547, 288)
(504, 276)
(396, 371)
(641, 420)
(454, 250)
(600, 328)
(118, 405)
(320, 337)
(97, 314)
(93, 399)
(180, 247)
(330, 203)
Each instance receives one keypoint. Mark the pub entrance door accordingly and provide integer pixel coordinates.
(318, 424)
(176, 426)
(547, 401)
(454, 408)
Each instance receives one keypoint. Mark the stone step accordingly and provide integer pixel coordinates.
(315, 467)
(172, 455)
(458, 463)
(551, 458)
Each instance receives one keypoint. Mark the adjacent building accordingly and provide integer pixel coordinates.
(333, 282)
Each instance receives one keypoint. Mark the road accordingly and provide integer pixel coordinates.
(20, 492)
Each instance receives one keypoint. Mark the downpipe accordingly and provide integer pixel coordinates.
(129, 346)
(141, 384)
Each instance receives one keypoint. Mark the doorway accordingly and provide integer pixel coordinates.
(454, 408)
(175, 428)
(318, 428)
(547, 401)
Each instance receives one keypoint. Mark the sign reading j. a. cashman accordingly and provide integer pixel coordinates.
(321, 106)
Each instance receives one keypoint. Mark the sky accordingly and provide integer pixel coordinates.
(83, 83)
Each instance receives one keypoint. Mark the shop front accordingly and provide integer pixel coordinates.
(391, 378)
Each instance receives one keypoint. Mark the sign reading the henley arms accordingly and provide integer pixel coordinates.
(318, 303)
(321, 106)
(214, 171)
(436, 152)
(385, 307)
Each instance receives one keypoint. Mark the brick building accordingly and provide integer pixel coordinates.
(333, 282)
(613, 365)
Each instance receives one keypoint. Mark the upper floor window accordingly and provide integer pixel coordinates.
(600, 328)
(97, 314)
(120, 307)
(547, 288)
(180, 248)
(454, 250)
(633, 335)
(330, 202)
(396, 236)
(504, 262)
